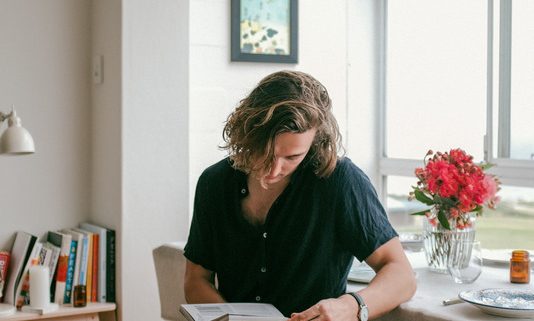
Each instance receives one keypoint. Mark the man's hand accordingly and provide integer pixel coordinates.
(344, 308)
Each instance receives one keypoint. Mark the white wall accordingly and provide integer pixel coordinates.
(44, 54)
(217, 85)
(155, 139)
(127, 153)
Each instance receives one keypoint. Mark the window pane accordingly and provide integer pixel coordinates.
(436, 77)
(522, 80)
(398, 206)
(508, 226)
(511, 225)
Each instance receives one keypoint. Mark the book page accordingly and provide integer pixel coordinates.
(205, 312)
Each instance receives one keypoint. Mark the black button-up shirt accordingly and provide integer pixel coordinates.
(303, 252)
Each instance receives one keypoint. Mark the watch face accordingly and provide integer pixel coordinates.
(364, 314)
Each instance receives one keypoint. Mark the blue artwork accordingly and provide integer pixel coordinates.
(265, 27)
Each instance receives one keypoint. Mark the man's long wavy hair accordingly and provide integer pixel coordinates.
(285, 101)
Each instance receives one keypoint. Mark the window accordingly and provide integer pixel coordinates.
(460, 74)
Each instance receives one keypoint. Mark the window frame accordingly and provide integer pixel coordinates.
(510, 171)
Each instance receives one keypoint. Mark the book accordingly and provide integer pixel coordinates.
(70, 271)
(80, 269)
(20, 253)
(89, 268)
(231, 311)
(4, 264)
(63, 241)
(110, 265)
(101, 258)
(51, 259)
(22, 291)
(94, 269)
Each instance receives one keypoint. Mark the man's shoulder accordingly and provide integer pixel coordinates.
(345, 167)
(219, 171)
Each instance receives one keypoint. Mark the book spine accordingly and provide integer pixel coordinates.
(70, 272)
(52, 264)
(94, 290)
(89, 280)
(23, 288)
(83, 261)
(110, 266)
(61, 278)
(4, 264)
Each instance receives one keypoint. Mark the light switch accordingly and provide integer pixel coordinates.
(98, 69)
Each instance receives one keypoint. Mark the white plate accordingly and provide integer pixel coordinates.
(502, 302)
(500, 257)
(361, 272)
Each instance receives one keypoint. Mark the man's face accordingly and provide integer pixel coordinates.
(289, 151)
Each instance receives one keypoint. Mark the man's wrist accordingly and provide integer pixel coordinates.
(362, 311)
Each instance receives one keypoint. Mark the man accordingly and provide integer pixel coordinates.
(282, 217)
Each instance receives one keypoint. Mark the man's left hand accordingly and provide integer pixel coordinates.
(344, 308)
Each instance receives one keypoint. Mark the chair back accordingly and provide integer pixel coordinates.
(169, 262)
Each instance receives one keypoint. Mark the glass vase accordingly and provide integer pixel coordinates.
(437, 243)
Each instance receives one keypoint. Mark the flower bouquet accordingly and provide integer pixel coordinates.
(456, 190)
(454, 187)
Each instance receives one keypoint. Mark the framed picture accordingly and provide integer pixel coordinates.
(264, 31)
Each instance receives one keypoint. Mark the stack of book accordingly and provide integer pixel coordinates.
(83, 255)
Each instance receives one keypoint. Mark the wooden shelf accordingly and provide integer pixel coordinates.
(92, 312)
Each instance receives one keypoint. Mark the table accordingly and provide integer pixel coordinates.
(433, 288)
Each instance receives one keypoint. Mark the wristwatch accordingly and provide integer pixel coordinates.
(363, 313)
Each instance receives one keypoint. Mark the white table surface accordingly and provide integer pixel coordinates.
(433, 288)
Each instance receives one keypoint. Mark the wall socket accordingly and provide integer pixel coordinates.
(98, 69)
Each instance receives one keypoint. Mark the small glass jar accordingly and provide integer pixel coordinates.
(520, 267)
(79, 296)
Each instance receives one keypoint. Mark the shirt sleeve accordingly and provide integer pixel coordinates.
(198, 248)
(362, 221)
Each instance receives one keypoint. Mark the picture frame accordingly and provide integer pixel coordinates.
(264, 31)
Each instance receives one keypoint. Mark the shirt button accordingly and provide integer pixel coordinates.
(265, 235)
(243, 191)
(258, 298)
(263, 269)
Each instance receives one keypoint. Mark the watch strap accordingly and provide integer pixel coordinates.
(360, 301)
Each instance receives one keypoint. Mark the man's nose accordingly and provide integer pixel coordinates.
(276, 168)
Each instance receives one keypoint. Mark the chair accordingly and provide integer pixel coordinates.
(169, 262)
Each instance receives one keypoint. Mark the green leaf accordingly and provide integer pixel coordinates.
(486, 166)
(421, 197)
(445, 201)
(442, 217)
(421, 213)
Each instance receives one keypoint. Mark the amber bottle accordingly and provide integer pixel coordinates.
(520, 267)
(79, 296)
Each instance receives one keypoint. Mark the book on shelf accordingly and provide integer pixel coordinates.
(22, 291)
(231, 311)
(51, 259)
(80, 269)
(94, 268)
(20, 252)
(110, 265)
(4, 264)
(89, 266)
(70, 271)
(101, 259)
(63, 241)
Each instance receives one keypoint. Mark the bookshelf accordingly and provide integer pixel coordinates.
(92, 312)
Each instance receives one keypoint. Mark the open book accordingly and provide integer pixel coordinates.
(231, 311)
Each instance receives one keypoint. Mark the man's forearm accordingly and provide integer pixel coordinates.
(392, 285)
(201, 291)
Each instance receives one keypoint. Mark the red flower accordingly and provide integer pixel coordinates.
(452, 184)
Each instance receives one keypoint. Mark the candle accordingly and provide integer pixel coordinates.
(39, 288)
